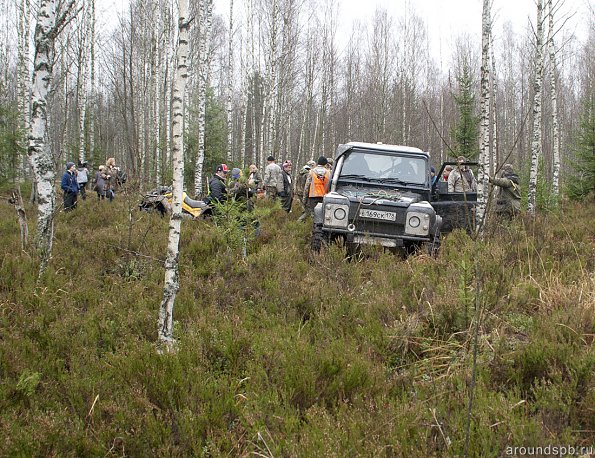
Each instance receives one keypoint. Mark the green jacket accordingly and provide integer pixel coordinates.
(508, 195)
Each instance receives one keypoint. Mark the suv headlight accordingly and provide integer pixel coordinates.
(420, 219)
(335, 215)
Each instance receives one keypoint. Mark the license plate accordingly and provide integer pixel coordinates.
(377, 214)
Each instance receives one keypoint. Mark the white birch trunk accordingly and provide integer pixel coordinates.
(39, 154)
(157, 119)
(171, 287)
(272, 88)
(554, 97)
(81, 89)
(230, 85)
(90, 113)
(24, 77)
(203, 76)
(494, 111)
(155, 77)
(168, 92)
(484, 126)
(537, 87)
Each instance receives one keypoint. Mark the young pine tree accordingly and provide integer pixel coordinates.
(466, 131)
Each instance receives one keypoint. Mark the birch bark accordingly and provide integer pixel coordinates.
(230, 84)
(24, 76)
(494, 111)
(81, 86)
(203, 77)
(91, 114)
(172, 285)
(47, 28)
(536, 147)
(554, 97)
(484, 126)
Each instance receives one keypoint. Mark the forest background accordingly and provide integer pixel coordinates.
(284, 78)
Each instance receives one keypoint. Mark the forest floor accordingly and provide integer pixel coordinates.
(286, 353)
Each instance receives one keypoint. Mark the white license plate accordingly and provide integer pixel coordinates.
(377, 214)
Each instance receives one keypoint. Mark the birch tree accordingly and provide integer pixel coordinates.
(23, 73)
(494, 111)
(230, 84)
(554, 101)
(81, 83)
(49, 25)
(537, 87)
(206, 21)
(91, 16)
(172, 285)
(484, 123)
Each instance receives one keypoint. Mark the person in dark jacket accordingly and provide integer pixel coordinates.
(70, 186)
(287, 193)
(217, 186)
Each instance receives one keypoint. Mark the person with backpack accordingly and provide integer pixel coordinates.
(317, 185)
(82, 178)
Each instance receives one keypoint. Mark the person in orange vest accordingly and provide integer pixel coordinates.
(317, 185)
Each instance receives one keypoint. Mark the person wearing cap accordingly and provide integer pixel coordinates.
(217, 186)
(508, 195)
(240, 190)
(70, 186)
(236, 173)
(273, 178)
(301, 183)
(433, 175)
(301, 179)
(287, 193)
(461, 179)
(317, 185)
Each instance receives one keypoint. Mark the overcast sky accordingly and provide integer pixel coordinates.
(445, 19)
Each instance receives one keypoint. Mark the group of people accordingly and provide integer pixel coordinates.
(310, 186)
(461, 179)
(75, 180)
(314, 178)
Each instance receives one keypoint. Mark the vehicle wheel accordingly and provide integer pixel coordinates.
(433, 246)
(317, 238)
(352, 251)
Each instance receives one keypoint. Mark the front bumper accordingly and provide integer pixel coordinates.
(367, 238)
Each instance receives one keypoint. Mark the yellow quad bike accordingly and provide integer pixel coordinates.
(160, 199)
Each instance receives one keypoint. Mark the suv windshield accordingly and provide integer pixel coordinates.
(384, 168)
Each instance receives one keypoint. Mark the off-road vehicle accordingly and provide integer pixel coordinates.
(383, 195)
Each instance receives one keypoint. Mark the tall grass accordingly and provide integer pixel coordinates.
(283, 353)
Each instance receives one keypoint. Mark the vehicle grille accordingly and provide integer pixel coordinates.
(378, 226)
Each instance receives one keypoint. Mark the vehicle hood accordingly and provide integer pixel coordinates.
(377, 196)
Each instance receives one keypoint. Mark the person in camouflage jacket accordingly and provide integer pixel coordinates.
(508, 195)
